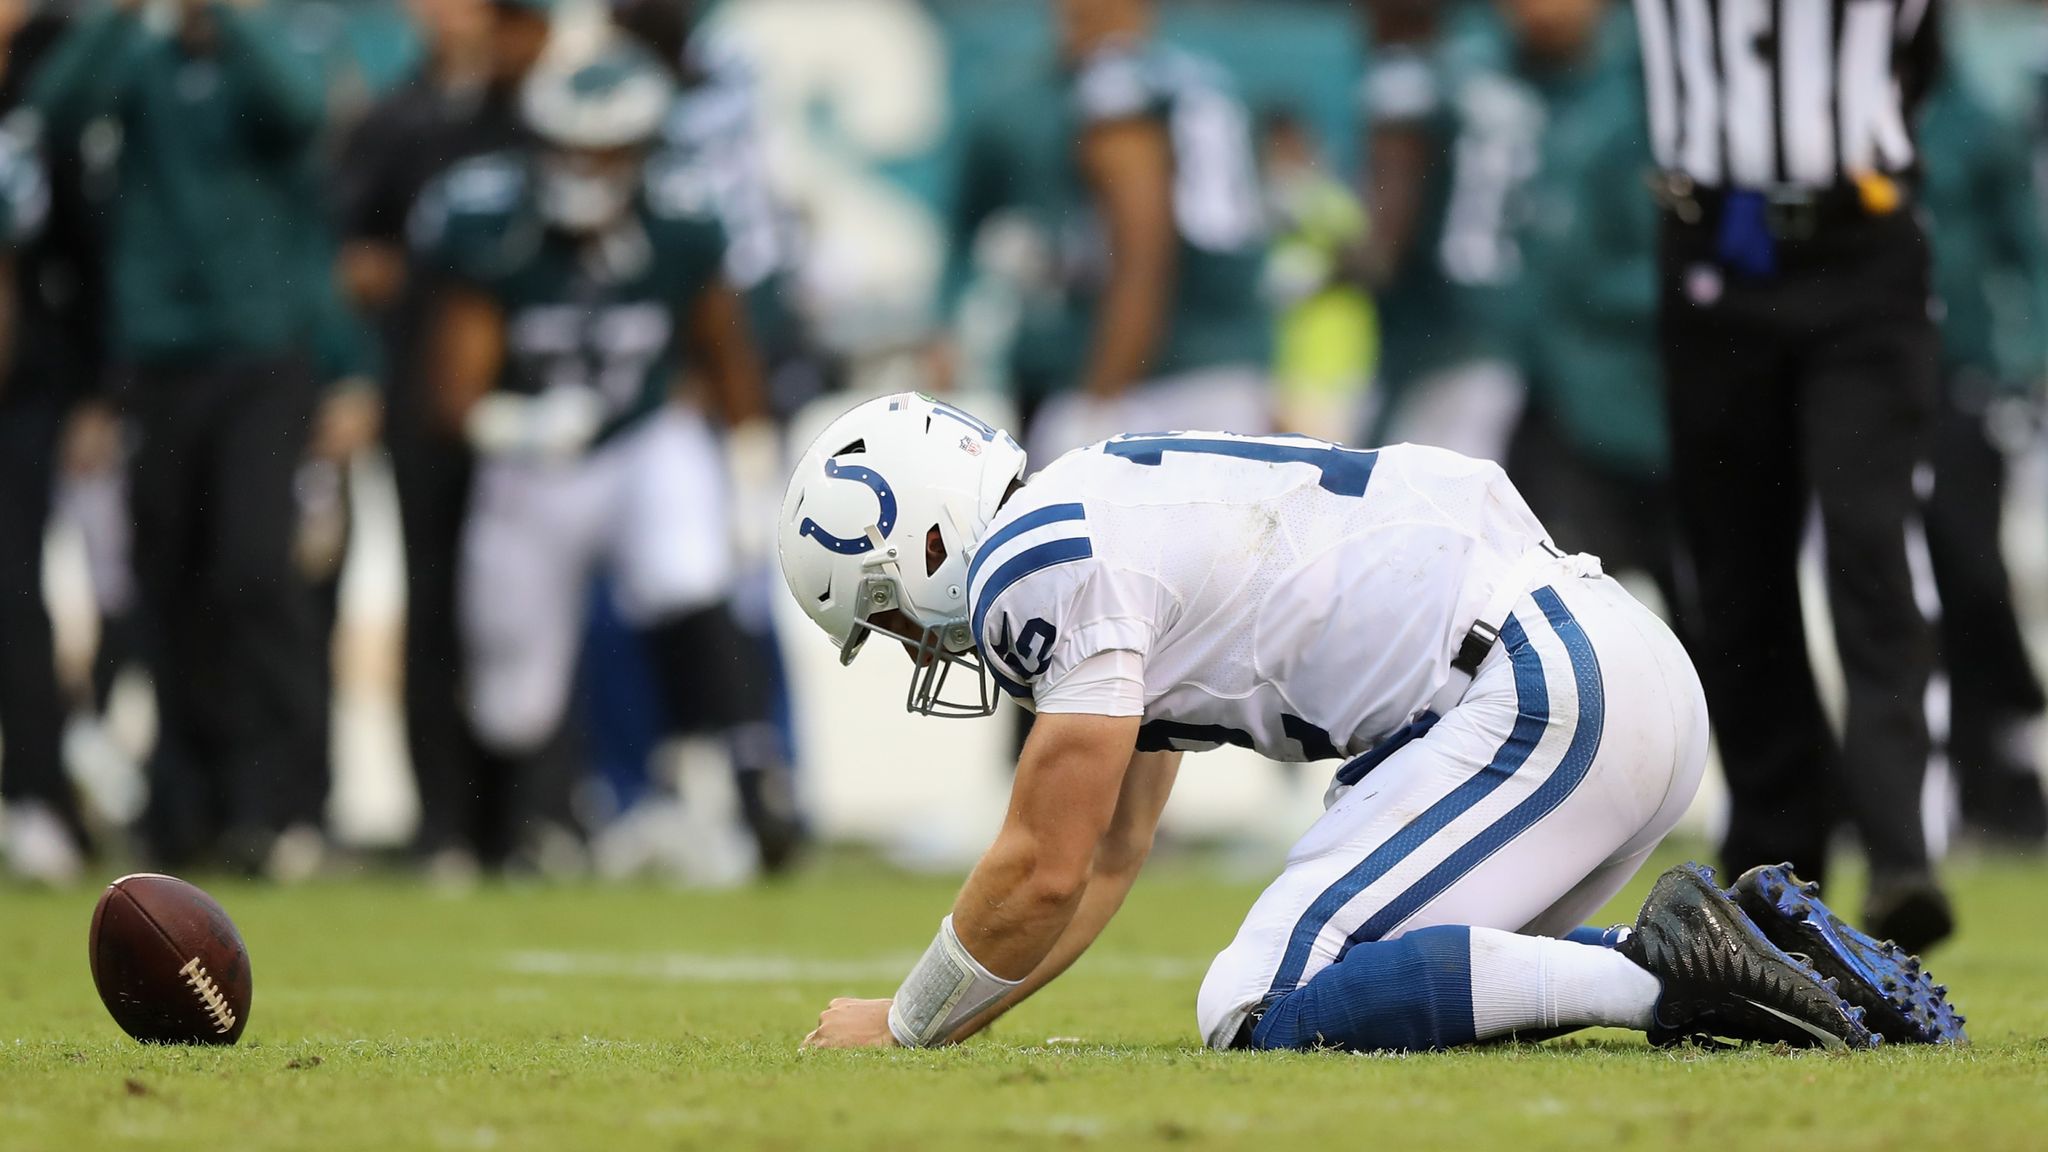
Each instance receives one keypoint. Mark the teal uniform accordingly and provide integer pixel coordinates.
(1462, 264)
(595, 313)
(1016, 158)
(209, 253)
(1990, 261)
(1216, 316)
(1586, 234)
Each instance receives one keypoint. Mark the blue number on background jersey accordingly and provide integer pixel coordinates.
(1346, 471)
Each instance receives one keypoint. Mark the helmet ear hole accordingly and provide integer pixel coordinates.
(934, 550)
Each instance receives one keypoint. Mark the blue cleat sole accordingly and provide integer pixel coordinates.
(1901, 1002)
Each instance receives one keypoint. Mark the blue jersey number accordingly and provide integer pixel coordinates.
(1031, 654)
(1346, 471)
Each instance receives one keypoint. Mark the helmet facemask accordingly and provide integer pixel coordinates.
(935, 651)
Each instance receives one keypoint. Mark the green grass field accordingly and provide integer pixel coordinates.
(387, 1017)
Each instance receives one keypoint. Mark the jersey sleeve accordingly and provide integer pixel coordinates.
(1108, 683)
(1118, 84)
(24, 191)
(1042, 603)
(462, 224)
(683, 224)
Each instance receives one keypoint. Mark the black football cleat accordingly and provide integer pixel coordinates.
(1899, 999)
(1724, 978)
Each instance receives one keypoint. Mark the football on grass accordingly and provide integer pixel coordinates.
(168, 962)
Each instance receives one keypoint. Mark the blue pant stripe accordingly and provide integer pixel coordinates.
(1577, 761)
(1533, 701)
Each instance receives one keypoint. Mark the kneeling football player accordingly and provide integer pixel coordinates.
(1517, 735)
(583, 281)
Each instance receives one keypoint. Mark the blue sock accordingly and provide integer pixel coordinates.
(1599, 937)
(1411, 993)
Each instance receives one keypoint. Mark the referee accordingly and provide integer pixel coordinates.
(1800, 363)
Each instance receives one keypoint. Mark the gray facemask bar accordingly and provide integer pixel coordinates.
(934, 663)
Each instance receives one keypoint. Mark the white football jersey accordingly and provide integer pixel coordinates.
(1285, 594)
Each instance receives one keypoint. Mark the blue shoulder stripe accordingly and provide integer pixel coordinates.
(1037, 558)
(1037, 518)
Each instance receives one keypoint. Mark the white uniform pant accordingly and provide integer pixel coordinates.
(1576, 748)
(650, 506)
(1232, 398)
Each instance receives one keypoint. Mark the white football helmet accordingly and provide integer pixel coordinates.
(584, 110)
(854, 522)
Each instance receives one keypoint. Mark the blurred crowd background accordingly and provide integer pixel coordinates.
(240, 618)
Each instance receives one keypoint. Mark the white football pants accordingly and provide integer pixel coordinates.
(1578, 745)
(650, 506)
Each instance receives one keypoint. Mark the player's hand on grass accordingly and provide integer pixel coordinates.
(850, 1023)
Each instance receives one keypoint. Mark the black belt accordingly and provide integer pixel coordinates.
(1789, 213)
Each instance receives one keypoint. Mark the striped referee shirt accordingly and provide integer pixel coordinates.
(1769, 94)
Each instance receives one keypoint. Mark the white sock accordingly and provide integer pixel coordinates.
(1530, 983)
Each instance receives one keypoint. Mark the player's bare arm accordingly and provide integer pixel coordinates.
(721, 348)
(1118, 859)
(467, 352)
(1022, 898)
(1129, 167)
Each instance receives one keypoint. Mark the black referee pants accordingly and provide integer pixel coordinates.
(1817, 384)
(232, 635)
(31, 712)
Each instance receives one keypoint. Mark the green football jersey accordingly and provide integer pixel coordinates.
(1460, 267)
(1585, 324)
(1216, 316)
(599, 313)
(1990, 257)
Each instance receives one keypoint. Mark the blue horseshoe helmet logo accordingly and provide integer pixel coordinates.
(885, 523)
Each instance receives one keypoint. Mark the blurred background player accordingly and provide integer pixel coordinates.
(1450, 141)
(715, 137)
(1590, 450)
(1326, 332)
(213, 296)
(1800, 366)
(43, 837)
(1991, 273)
(586, 277)
(461, 101)
(1165, 177)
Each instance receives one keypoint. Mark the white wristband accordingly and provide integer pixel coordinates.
(948, 988)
